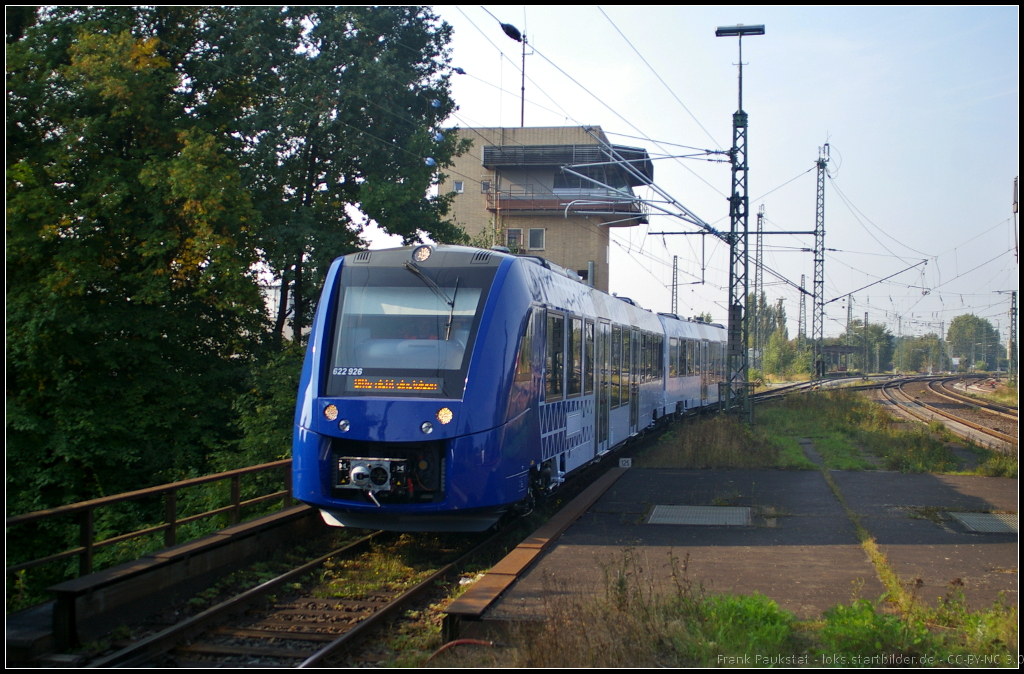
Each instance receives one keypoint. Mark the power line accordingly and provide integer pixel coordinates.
(692, 116)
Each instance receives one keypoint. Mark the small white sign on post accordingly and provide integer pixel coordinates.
(625, 463)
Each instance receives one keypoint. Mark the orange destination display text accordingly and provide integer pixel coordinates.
(385, 384)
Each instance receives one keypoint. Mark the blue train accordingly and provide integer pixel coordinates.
(444, 386)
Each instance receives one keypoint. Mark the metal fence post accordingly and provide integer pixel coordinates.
(170, 517)
(236, 499)
(85, 535)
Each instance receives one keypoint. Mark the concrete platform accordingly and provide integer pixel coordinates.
(800, 550)
(907, 514)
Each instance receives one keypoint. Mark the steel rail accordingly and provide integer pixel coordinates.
(912, 402)
(357, 633)
(167, 639)
(993, 408)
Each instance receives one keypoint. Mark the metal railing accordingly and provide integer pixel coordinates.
(85, 510)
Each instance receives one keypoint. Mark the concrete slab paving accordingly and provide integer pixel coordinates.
(906, 513)
(801, 551)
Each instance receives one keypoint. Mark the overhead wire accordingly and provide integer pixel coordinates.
(678, 100)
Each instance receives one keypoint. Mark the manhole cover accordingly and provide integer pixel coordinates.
(700, 515)
(988, 523)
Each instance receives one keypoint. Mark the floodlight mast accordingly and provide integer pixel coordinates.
(737, 355)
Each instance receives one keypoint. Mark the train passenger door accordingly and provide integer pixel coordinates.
(603, 364)
(634, 383)
(705, 377)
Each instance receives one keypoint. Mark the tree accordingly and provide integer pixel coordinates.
(351, 103)
(156, 157)
(132, 305)
(779, 353)
(975, 339)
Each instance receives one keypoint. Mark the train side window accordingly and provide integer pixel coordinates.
(588, 357)
(628, 363)
(616, 373)
(673, 357)
(554, 359)
(644, 356)
(659, 357)
(524, 362)
(575, 360)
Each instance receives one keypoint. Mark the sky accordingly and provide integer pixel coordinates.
(919, 106)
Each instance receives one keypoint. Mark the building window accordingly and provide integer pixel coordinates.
(460, 186)
(514, 239)
(485, 186)
(536, 239)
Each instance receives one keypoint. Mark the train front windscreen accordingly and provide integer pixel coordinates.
(405, 331)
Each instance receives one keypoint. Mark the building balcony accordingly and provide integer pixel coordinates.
(616, 206)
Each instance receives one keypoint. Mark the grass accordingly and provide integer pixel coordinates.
(848, 430)
(722, 442)
(630, 624)
(1003, 394)
(392, 565)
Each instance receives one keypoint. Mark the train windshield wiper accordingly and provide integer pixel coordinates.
(430, 284)
(451, 314)
(440, 293)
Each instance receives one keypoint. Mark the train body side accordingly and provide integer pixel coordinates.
(558, 374)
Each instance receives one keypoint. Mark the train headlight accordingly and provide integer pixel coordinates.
(379, 476)
(444, 415)
(421, 254)
(331, 412)
(427, 427)
(343, 425)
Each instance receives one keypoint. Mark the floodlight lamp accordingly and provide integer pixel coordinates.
(739, 30)
(512, 32)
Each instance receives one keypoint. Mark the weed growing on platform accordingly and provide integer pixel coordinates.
(720, 442)
(845, 425)
(996, 464)
(629, 623)
(632, 625)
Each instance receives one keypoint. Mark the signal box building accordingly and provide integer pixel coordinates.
(552, 192)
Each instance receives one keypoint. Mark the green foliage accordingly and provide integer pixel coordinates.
(844, 426)
(718, 442)
(343, 120)
(779, 353)
(157, 157)
(972, 337)
(859, 630)
(880, 343)
(132, 308)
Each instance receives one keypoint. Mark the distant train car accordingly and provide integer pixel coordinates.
(445, 385)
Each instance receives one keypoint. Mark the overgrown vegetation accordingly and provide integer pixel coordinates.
(152, 191)
(393, 564)
(630, 624)
(848, 430)
(1004, 394)
(721, 442)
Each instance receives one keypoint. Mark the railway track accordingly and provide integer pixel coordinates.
(908, 396)
(945, 388)
(276, 624)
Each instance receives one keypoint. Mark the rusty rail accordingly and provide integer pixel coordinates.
(84, 512)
